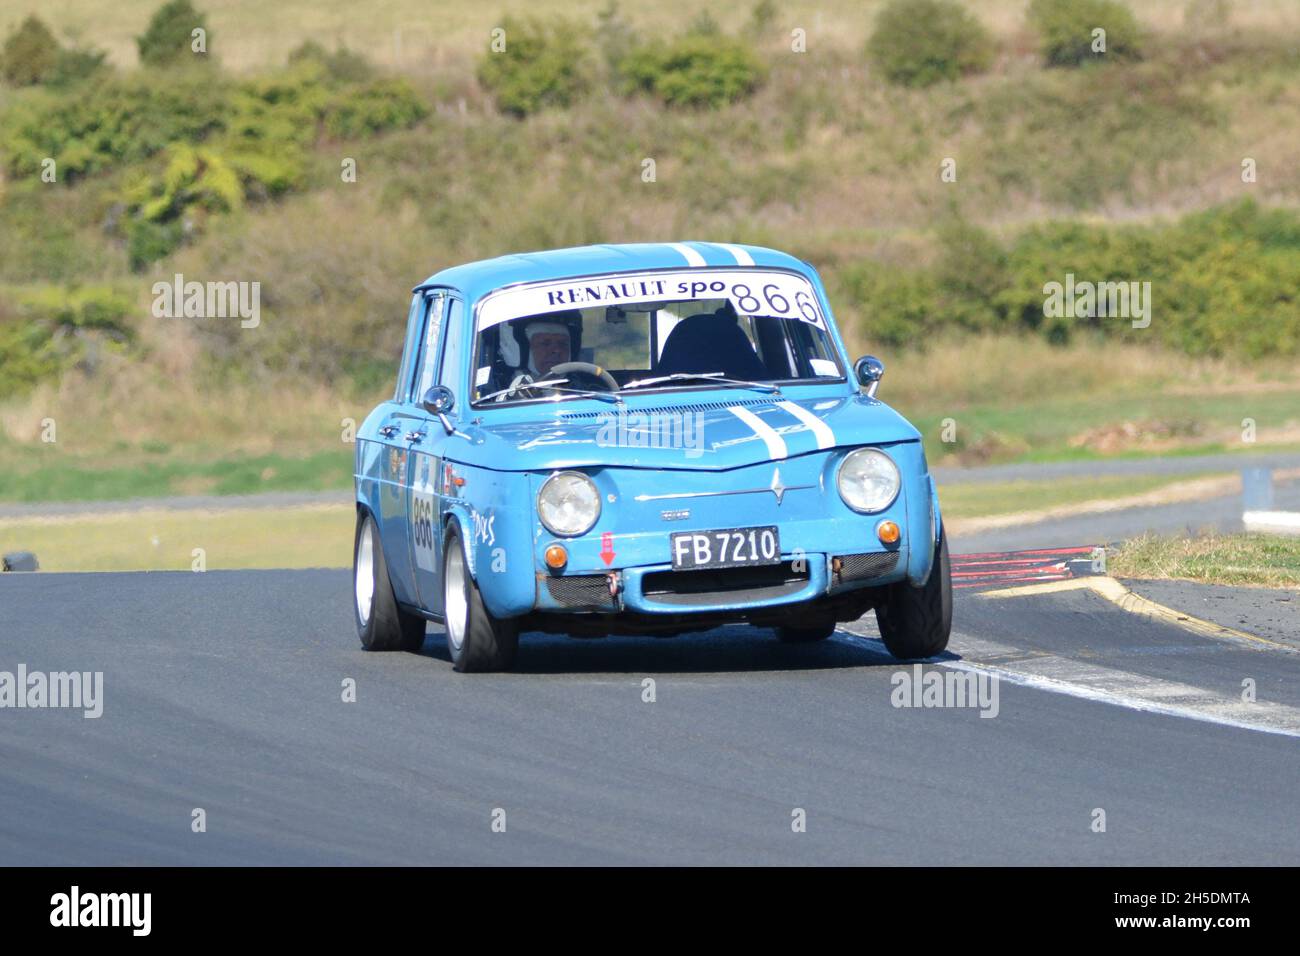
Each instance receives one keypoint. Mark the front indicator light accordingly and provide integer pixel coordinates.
(556, 557)
(888, 532)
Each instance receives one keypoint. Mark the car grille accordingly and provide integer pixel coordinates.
(581, 592)
(860, 567)
(724, 585)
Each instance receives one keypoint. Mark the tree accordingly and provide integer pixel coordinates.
(168, 38)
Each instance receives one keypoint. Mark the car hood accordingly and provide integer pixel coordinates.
(707, 435)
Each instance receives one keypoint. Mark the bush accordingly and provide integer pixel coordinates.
(922, 42)
(374, 108)
(341, 66)
(29, 53)
(544, 64)
(1065, 30)
(76, 66)
(698, 69)
(167, 40)
(46, 330)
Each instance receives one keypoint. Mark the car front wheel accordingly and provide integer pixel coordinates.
(915, 622)
(381, 623)
(475, 639)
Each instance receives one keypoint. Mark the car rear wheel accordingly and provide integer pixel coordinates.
(382, 625)
(915, 622)
(476, 640)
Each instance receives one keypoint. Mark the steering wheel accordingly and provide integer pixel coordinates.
(584, 368)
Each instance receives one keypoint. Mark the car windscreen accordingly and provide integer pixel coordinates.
(737, 325)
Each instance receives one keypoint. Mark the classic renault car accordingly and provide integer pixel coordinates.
(650, 439)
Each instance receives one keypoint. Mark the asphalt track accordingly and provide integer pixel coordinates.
(222, 691)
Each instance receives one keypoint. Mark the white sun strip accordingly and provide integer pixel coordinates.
(775, 444)
(693, 258)
(1105, 685)
(742, 257)
(825, 437)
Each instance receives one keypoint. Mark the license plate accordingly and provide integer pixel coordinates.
(726, 548)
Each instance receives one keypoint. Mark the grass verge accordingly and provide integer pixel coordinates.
(301, 537)
(1256, 560)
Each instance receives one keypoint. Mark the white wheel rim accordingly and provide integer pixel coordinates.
(364, 575)
(455, 606)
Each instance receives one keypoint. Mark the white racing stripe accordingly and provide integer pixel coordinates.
(742, 257)
(825, 437)
(693, 258)
(775, 444)
(1073, 678)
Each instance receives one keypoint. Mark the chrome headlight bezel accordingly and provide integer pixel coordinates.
(551, 483)
(858, 503)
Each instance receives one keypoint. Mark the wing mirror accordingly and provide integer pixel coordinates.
(438, 401)
(870, 370)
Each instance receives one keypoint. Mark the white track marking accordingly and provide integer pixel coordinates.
(1073, 678)
(742, 257)
(825, 437)
(693, 258)
(775, 443)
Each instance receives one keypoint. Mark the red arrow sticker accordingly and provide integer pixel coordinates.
(607, 547)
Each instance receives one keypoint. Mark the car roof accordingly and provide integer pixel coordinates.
(476, 279)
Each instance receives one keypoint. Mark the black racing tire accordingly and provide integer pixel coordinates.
(477, 642)
(805, 634)
(915, 622)
(382, 625)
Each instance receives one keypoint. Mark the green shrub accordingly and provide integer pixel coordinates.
(697, 69)
(921, 42)
(544, 64)
(341, 66)
(76, 66)
(29, 53)
(46, 330)
(109, 124)
(374, 108)
(1065, 30)
(167, 39)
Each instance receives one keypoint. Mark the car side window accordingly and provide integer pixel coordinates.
(429, 345)
(452, 354)
(408, 357)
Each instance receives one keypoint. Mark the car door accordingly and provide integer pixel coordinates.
(428, 478)
(389, 461)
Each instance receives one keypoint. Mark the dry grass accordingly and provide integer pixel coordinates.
(1257, 560)
(415, 36)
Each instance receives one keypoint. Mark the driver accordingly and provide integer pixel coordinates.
(549, 345)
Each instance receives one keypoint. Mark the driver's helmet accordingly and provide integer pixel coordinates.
(513, 346)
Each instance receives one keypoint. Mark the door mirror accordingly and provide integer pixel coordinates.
(438, 400)
(870, 370)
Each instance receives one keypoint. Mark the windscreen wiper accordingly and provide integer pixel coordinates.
(554, 385)
(710, 376)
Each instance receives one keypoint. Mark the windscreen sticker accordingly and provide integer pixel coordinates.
(751, 291)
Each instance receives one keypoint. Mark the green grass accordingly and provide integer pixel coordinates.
(1259, 560)
(981, 499)
(55, 477)
(310, 536)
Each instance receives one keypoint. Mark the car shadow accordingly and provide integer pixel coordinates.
(734, 649)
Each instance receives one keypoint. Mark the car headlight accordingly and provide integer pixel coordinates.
(868, 480)
(568, 503)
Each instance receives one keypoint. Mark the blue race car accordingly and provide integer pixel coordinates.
(651, 439)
